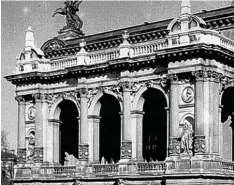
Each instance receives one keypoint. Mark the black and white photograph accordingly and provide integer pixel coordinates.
(117, 92)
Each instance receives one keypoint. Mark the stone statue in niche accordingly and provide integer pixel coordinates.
(70, 159)
(31, 145)
(186, 142)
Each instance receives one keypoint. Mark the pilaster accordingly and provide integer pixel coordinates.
(21, 122)
(126, 145)
(174, 145)
(84, 126)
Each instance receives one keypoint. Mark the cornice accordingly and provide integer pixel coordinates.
(219, 19)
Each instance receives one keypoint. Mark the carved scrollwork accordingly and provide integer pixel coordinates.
(120, 182)
(84, 152)
(39, 96)
(174, 146)
(206, 75)
(199, 145)
(126, 150)
(20, 99)
(173, 78)
(21, 155)
(38, 154)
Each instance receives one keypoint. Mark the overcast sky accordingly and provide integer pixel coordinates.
(98, 16)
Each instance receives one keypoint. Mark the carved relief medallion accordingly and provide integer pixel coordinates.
(187, 94)
(31, 113)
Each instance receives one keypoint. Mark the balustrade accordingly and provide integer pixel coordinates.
(105, 168)
(228, 166)
(151, 167)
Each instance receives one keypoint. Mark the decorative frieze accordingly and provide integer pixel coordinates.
(83, 152)
(126, 150)
(38, 154)
(21, 155)
(199, 145)
(174, 147)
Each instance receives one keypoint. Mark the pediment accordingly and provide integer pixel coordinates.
(53, 44)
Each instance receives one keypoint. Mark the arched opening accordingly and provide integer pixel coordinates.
(227, 119)
(154, 125)
(68, 130)
(109, 128)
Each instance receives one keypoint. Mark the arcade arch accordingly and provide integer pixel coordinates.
(152, 102)
(67, 113)
(227, 120)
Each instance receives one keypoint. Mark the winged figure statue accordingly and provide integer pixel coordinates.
(70, 9)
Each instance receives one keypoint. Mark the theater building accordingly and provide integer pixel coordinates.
(149, 104)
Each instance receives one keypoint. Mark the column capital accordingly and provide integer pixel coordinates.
(173, 78)
(39, 97)
(84, 92)
(126, 86)
(20, 99)
(201, 75)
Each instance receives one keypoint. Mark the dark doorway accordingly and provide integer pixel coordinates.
(227, 119)
(110, 128)
(154, 126)
(69, 133)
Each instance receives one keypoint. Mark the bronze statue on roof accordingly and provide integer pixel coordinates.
(72, 19)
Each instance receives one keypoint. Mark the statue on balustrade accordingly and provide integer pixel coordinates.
(186, 142)
(70, 159)
(73, 21)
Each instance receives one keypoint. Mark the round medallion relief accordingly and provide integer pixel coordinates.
(31, 112)
(187, 94)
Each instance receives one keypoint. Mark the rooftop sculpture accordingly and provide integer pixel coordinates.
(73, 21)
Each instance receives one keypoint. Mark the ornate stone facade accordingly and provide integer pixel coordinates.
(175, 75)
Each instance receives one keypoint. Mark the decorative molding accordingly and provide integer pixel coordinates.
(126, 150)
(174, 146)
(38, 154)
(83, 152)
(206, 75)
(199, 144)
(187, 105)
(187, 94)
(20, 99)
(120, 182)
(21, 155)
(31, 113)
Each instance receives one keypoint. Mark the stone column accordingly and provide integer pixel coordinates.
(21, 122)
(216, 120)
(53, 147)
(126, 147)
(174, 145)
(38, 151)
(21, 140)
(137, 153)
(84, 126)
(199, 112)
(94, 138)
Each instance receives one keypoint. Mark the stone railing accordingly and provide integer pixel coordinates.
(64, 170)
(228, 166)
(159, 167)
(147, 48)
(63, 63)
(105, 168)
(102, 57)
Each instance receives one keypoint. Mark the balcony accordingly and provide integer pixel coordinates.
(125, 169)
